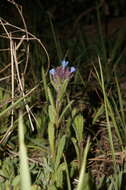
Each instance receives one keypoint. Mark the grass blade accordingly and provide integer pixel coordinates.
(24, 170)
(81, 183)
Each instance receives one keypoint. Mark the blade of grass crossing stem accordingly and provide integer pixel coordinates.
(24, 170)
(17, 102)
(12, 105)
(81, 182)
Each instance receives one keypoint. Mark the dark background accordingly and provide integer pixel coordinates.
(64, 13)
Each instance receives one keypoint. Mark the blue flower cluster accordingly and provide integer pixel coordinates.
(62, 72)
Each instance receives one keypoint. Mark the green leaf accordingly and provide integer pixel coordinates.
(73, 168)
(78, 127)
(24, 170)
(35, 187)
(16, 181)
(59, 175)
(98, 113)
(87, 183)
(64, 111)
(74, 112)
(51, 136)
(74, 141)
(83, 178)
(61, 145)
(63, 90)
(52, 114)
(67, 174)
(51, 98)
(52, 187)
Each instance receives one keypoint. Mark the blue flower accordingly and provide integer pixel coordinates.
(64, 63)
(61, 73)
(72, 69)
(52, 71)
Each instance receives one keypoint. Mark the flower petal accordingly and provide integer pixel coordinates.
(64, 63)
(72, 69)
(52, 71)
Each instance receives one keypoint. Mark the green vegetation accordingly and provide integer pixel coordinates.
(62, 123)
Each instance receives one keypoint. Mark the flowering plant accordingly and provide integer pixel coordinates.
(61, 75)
